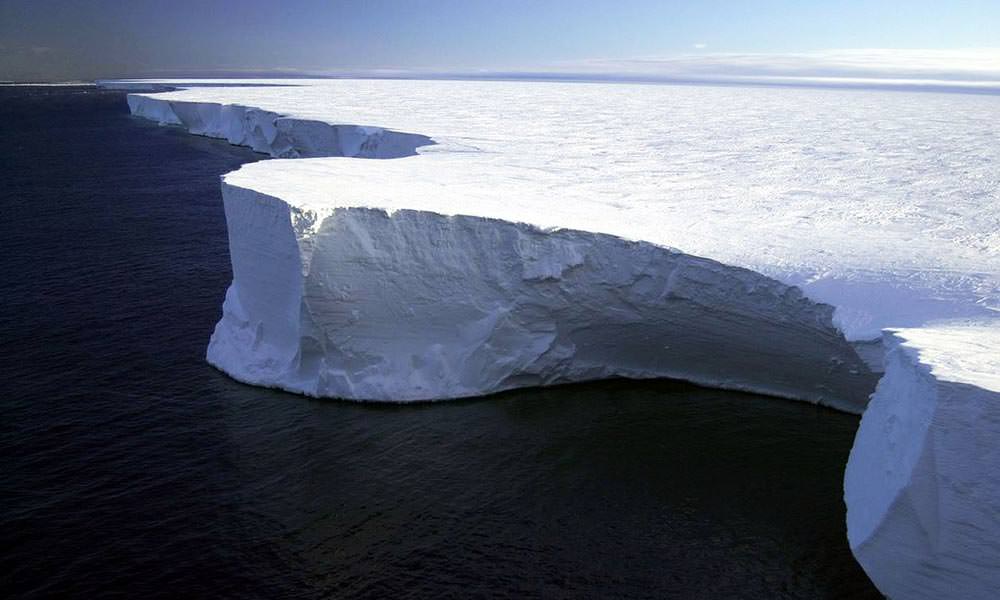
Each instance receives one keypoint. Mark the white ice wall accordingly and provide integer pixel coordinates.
(923, 481)
(415, 305)
(275, 135)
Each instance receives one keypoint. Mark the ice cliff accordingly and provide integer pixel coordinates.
(413, 305)
(532, 234)
(270, 133)
(414, 296)
(923, 486)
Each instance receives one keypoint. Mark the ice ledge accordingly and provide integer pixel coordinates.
(274, 134)
(364, 304)
(505, 304)
(922, 485)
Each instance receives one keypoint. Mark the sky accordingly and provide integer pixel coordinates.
(88, 39)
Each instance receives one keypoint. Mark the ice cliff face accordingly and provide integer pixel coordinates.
(413, 305)
(272, 134)
(923, 486)
(351, 294)
(881, 204)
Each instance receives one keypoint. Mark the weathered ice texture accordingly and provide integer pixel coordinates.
(415, 305)
(923, 482)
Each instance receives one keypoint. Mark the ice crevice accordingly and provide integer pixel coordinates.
(351, 280)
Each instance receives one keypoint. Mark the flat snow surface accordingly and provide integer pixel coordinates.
(959, 352)
(884, 204)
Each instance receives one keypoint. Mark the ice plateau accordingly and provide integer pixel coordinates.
(537, 233)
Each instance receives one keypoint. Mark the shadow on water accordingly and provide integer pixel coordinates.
(133, 468)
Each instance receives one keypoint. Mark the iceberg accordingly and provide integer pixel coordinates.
(781, 241)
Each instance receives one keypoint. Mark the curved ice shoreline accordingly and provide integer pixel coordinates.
(273, 134)
(285, 335)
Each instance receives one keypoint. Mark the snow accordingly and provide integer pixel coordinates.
(922, 486)
(881, 204)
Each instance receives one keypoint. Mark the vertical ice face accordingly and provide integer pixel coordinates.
(414, 305)
(335, 299)
(272, 134)
(923, 481)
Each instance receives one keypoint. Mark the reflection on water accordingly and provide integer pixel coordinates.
(132, 467)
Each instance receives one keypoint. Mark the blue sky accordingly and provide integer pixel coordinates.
(46, 39)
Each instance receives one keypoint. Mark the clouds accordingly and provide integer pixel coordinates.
(959, 65)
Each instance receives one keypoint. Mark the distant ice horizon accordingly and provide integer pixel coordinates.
(962, 70)
(971, 70)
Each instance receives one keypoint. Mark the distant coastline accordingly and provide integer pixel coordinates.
(48, 84)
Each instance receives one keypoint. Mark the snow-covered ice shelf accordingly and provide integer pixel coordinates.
(536, 233)
(883, 204)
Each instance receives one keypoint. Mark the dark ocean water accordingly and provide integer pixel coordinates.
(133, 469)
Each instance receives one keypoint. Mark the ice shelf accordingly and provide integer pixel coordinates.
(538, 233)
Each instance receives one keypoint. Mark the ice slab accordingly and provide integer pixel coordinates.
(359, 298)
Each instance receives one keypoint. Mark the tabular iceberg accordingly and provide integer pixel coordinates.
(509, 244)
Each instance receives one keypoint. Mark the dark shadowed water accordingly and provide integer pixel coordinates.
(130, 468)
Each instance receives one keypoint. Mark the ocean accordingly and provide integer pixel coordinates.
(131, 468)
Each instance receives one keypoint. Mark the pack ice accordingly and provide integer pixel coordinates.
(538, 233)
